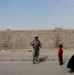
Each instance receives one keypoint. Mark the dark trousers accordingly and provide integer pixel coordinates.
(35, 55)
(60, 60)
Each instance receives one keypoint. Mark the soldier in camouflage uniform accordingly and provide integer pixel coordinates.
(36, 44)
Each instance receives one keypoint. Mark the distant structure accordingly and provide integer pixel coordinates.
(13, 39)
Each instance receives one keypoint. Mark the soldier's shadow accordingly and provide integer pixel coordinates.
(43, 59)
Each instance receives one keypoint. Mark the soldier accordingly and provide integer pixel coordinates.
(36, 44)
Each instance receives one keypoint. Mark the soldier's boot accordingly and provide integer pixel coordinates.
(37, 60)
(33, 62)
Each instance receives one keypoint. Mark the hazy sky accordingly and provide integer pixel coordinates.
(36, 14)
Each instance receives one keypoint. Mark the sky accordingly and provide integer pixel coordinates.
(36, 14)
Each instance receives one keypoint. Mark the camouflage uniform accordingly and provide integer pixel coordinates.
(36, 45)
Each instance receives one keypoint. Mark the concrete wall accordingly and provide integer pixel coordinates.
(10, 39)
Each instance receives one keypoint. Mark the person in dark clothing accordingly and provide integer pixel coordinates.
(71, 63)
(60, 55)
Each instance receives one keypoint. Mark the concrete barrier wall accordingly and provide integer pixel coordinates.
(10, 39)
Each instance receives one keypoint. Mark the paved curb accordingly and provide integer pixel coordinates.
(29, 60)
